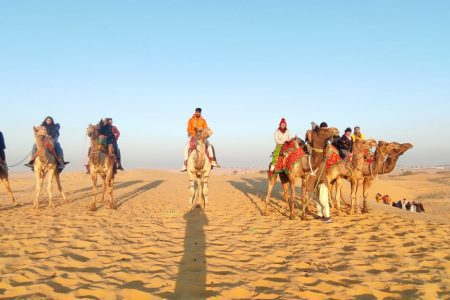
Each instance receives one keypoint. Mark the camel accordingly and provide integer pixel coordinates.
(351, 170)
(45, 163)
(306, 167)
(394, 151)
(199, 168)
(102, 161)
(370, 171)
(385, 162)
(4, 178)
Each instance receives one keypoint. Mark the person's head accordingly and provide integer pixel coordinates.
(357, 130)
(198, 112)
(283, 124)
(323, 125)
(348, 132)
(314, 125)
(109, 121)
(48, 121)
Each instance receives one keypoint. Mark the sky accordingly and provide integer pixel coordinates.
(382, 65)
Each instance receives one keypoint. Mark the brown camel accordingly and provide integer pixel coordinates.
(102, 161)
(370, 172)
(352, 170)
(4, 178)
(394, 151)
(199, 168)
(306, 167)
(45, 163)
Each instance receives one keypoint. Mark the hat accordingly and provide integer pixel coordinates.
(323, 125)
(314, 125)
(348, 129)
(283, 121)
(198, 109)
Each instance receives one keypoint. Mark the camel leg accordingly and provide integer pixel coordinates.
(205, 192)
(94, 191)
(367, 184)
(272, 181)
(191, 193)
(60, 189)
(199, 191)
(104, 186)
(354, 185)
(337, 195)
(292, 201)
(112, 204)
(8, 189)
(285, 185)
(39, 181)
(358, 195)
(51, 175)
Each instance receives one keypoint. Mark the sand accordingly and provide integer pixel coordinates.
(151, 249)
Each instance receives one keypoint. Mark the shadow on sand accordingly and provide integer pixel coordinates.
(140, 190)
(191, 279)
(257, 188)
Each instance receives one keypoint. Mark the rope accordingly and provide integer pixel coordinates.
(15, 165)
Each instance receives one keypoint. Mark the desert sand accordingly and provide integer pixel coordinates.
(151, 249)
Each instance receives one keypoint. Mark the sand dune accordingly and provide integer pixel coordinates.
(151, 249)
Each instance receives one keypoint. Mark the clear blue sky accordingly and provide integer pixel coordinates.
(383, 65)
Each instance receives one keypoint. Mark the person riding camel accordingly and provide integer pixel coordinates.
(112, 134)
(281, 136)
(357, 134)
(308, 136)
(196, 123)
(345, 144)
(53, 133)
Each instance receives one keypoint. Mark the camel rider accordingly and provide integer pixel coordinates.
(281, 136)
(196, 123)
(357, 134)
(308, 136)
(53, 132)
(2, 148)
(345, 144)
(112, 135)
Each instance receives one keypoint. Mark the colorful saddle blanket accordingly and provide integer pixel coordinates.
(289, 155)
(334, 157)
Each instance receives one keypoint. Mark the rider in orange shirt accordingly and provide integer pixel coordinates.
(196, 123)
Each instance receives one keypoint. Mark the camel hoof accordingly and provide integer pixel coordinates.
(93, 208)
(112, 206)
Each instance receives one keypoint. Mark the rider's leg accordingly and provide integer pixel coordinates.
(212, 155)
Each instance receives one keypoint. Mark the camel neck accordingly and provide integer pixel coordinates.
(389, 165)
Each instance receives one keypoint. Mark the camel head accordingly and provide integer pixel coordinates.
(204, 134)
(321, 136)
(385, 148)
(400, 149)
(364, 145)
(92, 131)
(40, 131)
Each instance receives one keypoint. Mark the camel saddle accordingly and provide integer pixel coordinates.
(289, 155)
(51, 148)
(334, 158)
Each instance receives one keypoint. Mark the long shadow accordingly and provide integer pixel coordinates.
(117, 186)
(87, 191)
(142, 189)
(258, 188)
(191, 279)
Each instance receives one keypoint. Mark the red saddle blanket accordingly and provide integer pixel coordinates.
(333, 157)
(288, 157)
